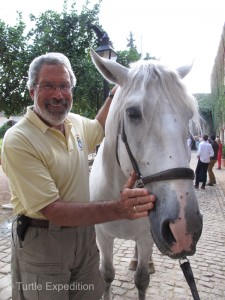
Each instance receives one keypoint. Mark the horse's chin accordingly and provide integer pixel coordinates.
(178, 255)
(181, 254)
(168, 245)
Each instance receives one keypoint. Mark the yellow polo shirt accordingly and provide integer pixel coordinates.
(43, 165)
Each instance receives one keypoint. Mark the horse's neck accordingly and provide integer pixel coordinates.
(109, 157)
(111, 167)
(106, 178)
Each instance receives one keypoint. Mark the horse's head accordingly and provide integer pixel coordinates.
(151, 112)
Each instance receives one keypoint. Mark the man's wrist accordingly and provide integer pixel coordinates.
(111, 95)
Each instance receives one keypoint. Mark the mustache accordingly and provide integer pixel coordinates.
(54, 101)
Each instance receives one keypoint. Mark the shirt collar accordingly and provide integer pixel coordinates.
(37, 122)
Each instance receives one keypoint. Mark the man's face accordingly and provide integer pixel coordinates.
(52, 95)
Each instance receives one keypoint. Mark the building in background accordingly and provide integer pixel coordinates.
(218, 89)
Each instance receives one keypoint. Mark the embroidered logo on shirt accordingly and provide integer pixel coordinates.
(79, 143)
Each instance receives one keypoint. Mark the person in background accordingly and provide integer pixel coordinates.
(219, 155)
(205, 151)
(45, 156)
(189, 147)
(213, 160)
(197, 142)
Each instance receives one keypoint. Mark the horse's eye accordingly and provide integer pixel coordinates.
(133, 113)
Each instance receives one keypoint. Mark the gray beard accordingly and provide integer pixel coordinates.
(51, 118)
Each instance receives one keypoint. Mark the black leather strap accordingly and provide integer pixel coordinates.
(188, 274)
(170, 174)
(39, 223)
(175, 173)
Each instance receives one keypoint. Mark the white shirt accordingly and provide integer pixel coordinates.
(189, 142)
(205, 151)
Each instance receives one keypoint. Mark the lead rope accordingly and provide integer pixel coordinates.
(188, 274)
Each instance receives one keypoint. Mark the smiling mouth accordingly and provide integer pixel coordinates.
(56, 108)
(56, 104)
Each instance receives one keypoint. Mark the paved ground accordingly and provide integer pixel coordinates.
(168, 283)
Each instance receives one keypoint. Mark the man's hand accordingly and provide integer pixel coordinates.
(134, 203)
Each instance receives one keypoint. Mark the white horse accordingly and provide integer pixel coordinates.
(146, 130)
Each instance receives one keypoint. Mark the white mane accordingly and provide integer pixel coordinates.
(163, 84)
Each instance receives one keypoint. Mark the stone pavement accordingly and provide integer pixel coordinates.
(168, 283)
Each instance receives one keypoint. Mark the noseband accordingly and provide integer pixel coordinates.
(170, 174)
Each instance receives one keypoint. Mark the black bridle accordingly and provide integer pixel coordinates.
(170, 174)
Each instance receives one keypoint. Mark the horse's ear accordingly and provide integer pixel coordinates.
(184, 70)
(110, 70)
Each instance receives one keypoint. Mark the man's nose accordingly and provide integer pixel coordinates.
(57, 93)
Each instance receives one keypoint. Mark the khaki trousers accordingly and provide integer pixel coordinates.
(212, 178)
(56, 264)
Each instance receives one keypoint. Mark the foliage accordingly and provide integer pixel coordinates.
(5, 127)
(223, 152)
(3, 130)
(0, 149)
(126, 57)
(13, 67)
(70, 33)
(132, 55)
(205, 108)
(67, 32)
(148, 57)
(217, 86)
(204, 102)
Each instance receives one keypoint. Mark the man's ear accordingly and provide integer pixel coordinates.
(31, 91)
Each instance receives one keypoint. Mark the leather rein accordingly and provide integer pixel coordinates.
(170, 174)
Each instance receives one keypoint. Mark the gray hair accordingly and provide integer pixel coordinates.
(52, 58)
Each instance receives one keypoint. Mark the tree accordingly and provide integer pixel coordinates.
(70, 33)
(13, 66)
(205, 103)
(131, 41)
(131, 55)
(65, 32)
(127, 56)
(148, 57)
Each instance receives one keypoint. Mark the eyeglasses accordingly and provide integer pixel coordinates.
(51, 87)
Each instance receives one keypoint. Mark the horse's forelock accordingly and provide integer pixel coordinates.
(167, 85)
(163, 83)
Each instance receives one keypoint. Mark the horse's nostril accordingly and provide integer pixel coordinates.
(167, 233)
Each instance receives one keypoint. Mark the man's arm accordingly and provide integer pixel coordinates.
(103, 112)
(211, 151)
(199, 150)
(84, 214)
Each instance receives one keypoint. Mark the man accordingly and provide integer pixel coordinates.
(45, 156)
(189, 146)
(205, 151)
(213, 160)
